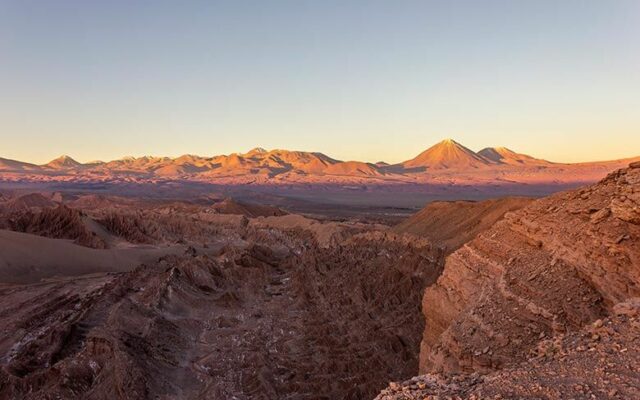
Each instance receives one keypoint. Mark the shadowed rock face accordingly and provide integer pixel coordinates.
(27, 202)
(230, 206)
(601, 361)
(273, 316)
(60, 222)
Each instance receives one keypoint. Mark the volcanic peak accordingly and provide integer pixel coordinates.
(61, 162)
(447, 154)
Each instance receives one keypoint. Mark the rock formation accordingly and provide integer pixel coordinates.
(61, 223)
(286, 306)
(231, 206)
(600, 361)
(248, 310)
(548, 298)
(553, 266)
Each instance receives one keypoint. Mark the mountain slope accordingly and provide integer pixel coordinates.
(62, 162)
(453, 223)
(13, 165)
(298, 160)
(447, 163)
(353, 168)
(502, 155)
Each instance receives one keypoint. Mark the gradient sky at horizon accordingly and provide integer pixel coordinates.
(365, 80)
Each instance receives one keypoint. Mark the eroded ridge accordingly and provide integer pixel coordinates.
(273, 314)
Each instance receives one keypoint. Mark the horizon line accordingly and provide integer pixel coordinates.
(174, 157)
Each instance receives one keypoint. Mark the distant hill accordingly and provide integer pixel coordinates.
(502, 155)
(62, 162)
(230, 206)
(13, 165)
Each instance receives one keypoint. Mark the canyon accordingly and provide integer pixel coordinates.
(110, 296)
(187, 301)
(544, 304)
(252, 200)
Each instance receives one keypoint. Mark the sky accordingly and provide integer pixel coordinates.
(358, 80)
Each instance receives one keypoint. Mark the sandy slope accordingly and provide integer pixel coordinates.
(28, 258)
(453, 223)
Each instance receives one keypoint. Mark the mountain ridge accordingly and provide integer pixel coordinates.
(446, 162)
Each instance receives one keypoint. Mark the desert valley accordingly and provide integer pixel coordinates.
(320, 200)
(112, 285)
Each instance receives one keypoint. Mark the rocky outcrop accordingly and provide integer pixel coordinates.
(26, 202)
(273, 315)
(600, 361)
(131, 227)
(59, 223)
(550, 268)
(231, 206)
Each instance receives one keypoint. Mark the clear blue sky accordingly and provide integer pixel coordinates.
(365, 80)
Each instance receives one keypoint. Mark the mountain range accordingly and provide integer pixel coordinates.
(445, 162)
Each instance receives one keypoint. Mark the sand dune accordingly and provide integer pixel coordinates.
(26, 258)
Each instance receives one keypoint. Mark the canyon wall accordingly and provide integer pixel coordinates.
(550, 268)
